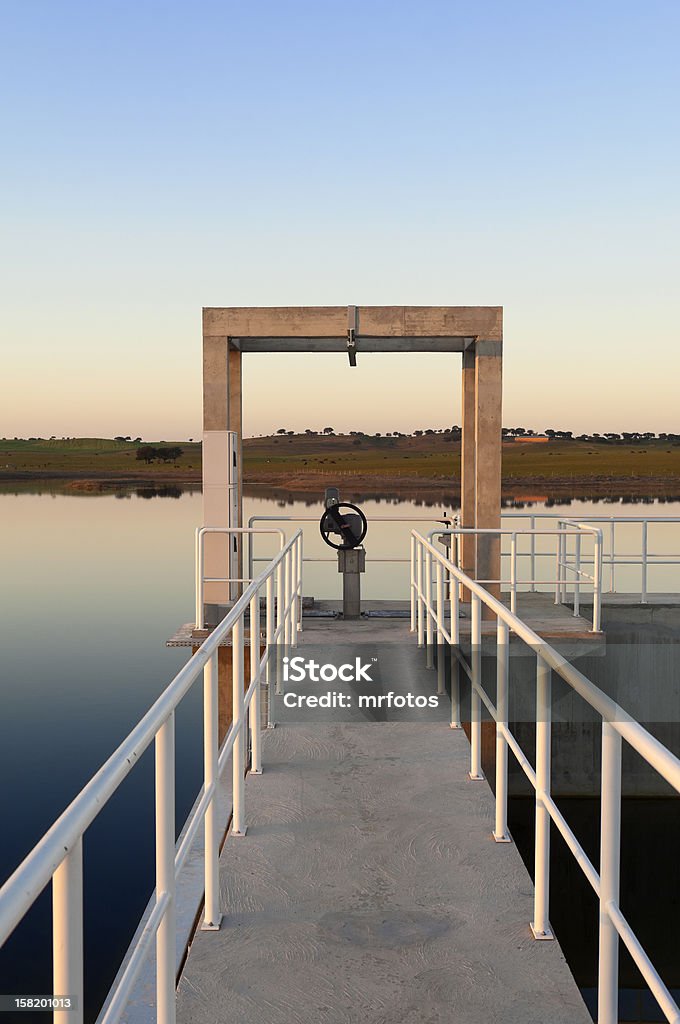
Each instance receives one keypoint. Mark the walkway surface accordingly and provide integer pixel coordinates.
(369, 889)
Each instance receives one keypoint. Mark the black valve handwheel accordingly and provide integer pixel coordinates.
(333, 521)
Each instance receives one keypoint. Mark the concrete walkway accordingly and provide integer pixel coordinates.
(368, 889)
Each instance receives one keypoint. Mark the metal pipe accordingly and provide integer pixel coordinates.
(532, 542)
(610, 848)
(412, 591)
(269, 668)
(211, 911)
(419, 586)
(501, 834)
(441, 661)
(475, 699)
(67, 932)
(254, 709)
(643, 595)
(237, 714)
(541, 926)
(165, 870)
(429, 630)
(577, 576)
(597, 583)
(513, 573)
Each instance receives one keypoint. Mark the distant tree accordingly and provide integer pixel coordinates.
(291, 433)
(137, 439)
(170, 454)
(418, 433)
(328, 430)
(281, 430)
(146, 453)
(120, 438)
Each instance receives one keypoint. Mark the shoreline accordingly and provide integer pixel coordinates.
(367, 487)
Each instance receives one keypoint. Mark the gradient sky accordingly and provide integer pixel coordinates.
(159, 157)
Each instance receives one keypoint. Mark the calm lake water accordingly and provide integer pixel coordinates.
(91, 588)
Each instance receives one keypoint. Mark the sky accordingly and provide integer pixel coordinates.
(160, 157)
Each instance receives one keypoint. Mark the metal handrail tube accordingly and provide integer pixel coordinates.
(617, 725)
(660, 992)
(658, 756)
(36, 870)
(201, 579)
(134, 964)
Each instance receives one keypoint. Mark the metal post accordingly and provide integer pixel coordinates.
(211, 915)
(293, 597)
(540, 925)
(269, 668)
(513, 573)
(280, 635)
(287, 583)
(475, 700)
(198, 561)
(67, 932)
(413, 583)
(501, 834)
(441, 661)
(165, 870)
(612, 557)
(455, 664)
(597, 583)
(419, 587)
(254, 710)
(610, 847)
(237, 759)
(558, 560)
(577, 575)
(532, 527)
(298, 548)
(643, 595)
(429, 660)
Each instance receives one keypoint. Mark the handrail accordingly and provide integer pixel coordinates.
(315, 519)
(58, 855)
(201, 532)
(428, 620)
(645, 559)
(562, 565)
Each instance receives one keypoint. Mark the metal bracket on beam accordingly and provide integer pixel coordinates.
(352, 328)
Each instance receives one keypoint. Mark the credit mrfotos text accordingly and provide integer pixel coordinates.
(357, 671)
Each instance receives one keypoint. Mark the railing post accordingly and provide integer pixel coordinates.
(532, 527)
(610, 847)
(287, 607)
(513, 573)
(280, 632)
(298, 548)
(419, 587)
(454, 598)
(577, 575)
(643, 594)
(67, 932)
(238, 718)
(270, 668)
(558, 563)
(165, 870)
(198, 562)
(441, 660)
(501, 834)
(254, 710)
(540, 925)
(211, 915)
(413, 584)
(475, 700)
(597, 583)
(612, 557)
(429, 630)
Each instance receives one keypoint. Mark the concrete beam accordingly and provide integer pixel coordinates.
(375, 321)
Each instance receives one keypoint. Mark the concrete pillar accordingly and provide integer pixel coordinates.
(235, 386)
(467, 464)
(215, 456)
(488, 419)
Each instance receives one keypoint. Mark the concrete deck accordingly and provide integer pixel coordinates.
(369, 889)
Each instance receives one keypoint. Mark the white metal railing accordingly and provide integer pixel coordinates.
(202, 579)
(445, 520)
(57, 857)
(611, 527)
(433, 624)
(574, 530)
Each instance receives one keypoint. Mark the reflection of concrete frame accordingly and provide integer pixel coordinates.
(475, 331)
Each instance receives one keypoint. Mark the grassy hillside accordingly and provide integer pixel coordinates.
(306, 463)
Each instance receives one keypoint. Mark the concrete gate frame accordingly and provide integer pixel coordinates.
(474, 331)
